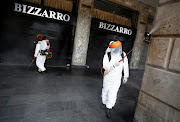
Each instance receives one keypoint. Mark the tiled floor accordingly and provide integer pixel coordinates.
(61, 95)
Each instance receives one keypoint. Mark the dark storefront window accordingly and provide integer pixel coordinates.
(100, 38)
(19, 30)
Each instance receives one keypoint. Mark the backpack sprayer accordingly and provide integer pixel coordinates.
(47, 52)
(147, 37)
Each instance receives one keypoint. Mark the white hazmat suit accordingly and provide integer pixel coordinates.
(40, 59)
(112, 81)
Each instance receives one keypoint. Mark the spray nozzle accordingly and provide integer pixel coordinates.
(147, 36)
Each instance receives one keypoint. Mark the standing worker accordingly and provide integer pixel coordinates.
(41, 51)
(113, 73)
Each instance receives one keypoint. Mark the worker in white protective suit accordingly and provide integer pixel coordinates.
(41, 51)
(113, 73)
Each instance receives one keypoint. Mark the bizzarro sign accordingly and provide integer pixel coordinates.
(113, 28)
(39, 12)
(25, 8)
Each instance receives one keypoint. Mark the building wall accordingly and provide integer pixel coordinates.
(84, 23)
(153, 3)
(159, 96)
(85, 14)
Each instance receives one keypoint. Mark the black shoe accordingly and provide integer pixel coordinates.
(43, 72)
(108, 113)
(103, 106)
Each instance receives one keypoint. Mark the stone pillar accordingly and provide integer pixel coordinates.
(159, 96)
(138, 43)
(82, 33)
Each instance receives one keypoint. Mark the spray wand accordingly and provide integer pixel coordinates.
(31, 63)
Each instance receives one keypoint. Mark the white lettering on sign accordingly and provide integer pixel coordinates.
(115, 28)
(42, 13)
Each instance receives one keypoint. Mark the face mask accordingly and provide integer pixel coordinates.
(119, 49)
(116, 50)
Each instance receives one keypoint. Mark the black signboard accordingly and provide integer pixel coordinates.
(42, 12)
(113, 28)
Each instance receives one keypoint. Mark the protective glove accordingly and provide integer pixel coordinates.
(108, 50)
(125, 80)
(34, 58)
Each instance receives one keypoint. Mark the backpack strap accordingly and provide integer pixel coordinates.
(122, 55)
(109, 55)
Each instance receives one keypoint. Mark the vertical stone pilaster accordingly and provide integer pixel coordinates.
(138, 43)
(82, 33)
(174, 63)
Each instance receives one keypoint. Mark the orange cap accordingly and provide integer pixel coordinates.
(115, 44)
(39, 35)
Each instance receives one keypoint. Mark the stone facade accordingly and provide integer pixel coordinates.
(150, 109)
(159, 96)
(175, 60)
(144, 11)
(169, 19)
(136, 5)
(163, 1)
(159, 51)
(83, 29)
(85, 9)
(163, 85)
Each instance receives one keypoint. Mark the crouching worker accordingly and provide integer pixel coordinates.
(41, 51)
(113, 74)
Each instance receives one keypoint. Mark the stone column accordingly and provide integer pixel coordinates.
(82, 33)
(138, 43)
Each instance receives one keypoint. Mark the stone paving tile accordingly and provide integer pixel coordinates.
(3, 100)
(12, 119)
(61, 96)
(12, 110)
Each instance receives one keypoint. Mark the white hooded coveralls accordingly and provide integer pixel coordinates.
(112, 81)
(40, 60)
